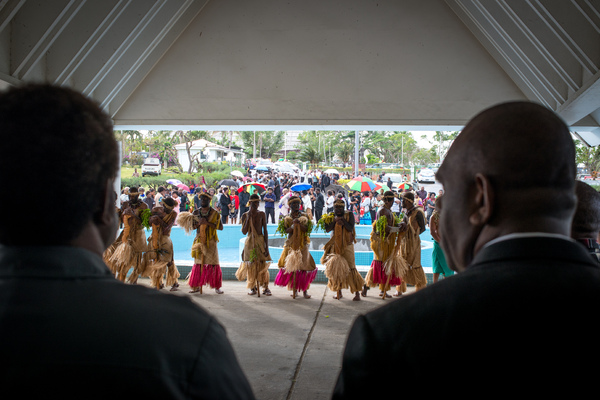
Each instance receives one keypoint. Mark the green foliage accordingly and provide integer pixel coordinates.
(380, 226)
(324, 220)
(146, 214)
(267, 142)
(281, 227)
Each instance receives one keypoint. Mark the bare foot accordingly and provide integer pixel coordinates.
(219, 291)
(364, 291)
(356, 297)
(306, 295)
(338, 295)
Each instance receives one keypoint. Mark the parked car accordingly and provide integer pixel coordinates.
(584, 177)
(426, 175)
(151, 166)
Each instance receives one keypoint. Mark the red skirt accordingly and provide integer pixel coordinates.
(380, 277)
(206, 274)
(299, 280)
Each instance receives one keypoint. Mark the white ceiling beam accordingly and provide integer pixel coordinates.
(143, 64)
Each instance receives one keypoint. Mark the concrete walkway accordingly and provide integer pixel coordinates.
(288, 348)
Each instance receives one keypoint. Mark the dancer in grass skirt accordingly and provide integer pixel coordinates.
(159, 257)
(128, 250)
(206, 269)
(338, 253)
(254, 268)
(388, 266)
(297, 268)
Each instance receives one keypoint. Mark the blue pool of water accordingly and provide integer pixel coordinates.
(231, 243)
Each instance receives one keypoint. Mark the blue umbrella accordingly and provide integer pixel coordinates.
(261, 168)
(298, 187)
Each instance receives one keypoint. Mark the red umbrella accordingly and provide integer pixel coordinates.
(258, 186)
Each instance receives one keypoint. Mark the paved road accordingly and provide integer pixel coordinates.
(288, 348)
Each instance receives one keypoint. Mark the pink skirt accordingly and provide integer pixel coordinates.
(380, 277)
(211, 275)
(300, 280)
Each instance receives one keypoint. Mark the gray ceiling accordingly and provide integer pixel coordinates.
(110, 49)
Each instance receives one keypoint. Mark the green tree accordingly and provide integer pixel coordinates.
(188, 137)
(267, 142)
(587, 155)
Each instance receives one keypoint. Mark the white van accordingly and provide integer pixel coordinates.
(151, 166)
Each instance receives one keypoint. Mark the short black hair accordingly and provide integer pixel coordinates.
(70, 145)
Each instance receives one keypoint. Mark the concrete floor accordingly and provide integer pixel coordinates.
(288, 348)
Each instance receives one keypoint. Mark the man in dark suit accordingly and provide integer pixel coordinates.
(69, 329)
(519, 318)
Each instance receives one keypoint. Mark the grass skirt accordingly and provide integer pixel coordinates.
(299, 280)
(255, 273)
(337, 271)
(206, 274)
(156, 271)
(355, 281)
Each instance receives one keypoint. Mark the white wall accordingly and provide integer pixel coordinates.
(334, 62)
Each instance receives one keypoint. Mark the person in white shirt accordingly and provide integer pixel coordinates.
(307, 204)
(366, 204)
(284, 208)
(329, 202)
(396, 205)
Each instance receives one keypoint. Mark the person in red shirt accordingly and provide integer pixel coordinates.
(234, 206)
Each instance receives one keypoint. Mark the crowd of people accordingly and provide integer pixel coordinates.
(516, 317)
(232, 201)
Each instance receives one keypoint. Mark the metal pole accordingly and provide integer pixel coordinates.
(254, 152)
(356, 146)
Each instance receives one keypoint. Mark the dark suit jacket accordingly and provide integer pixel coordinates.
(69, 329)
(521, 319)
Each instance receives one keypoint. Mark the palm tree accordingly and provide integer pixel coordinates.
(311, 154)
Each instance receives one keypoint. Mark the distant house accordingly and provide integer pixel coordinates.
(208, 152)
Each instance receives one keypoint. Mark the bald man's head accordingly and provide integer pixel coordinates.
(511, 169)
(519, 144)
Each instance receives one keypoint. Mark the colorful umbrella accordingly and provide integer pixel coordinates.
(363, 184)
(258, 186)
(298, 187)
(405, 186)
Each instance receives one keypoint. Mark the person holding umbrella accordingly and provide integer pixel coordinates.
(224, 202)
(243, 197)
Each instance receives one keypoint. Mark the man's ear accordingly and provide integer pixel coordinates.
(483, 201)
